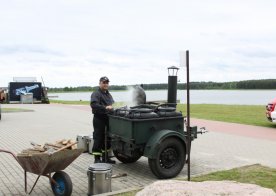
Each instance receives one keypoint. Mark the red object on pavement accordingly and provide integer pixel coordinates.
(270, 107)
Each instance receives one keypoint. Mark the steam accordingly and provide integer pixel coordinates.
(131, 92)
(136, 95)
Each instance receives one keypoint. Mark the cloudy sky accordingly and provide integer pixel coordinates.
(74, 42)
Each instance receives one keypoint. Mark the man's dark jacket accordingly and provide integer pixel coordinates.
(99, 100)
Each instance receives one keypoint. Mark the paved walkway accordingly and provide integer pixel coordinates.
(225, 146)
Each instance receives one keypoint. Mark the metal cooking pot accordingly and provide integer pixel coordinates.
(99, 178)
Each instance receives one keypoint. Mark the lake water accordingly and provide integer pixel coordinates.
(241, 97)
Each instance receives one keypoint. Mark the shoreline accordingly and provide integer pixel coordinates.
(50, 92)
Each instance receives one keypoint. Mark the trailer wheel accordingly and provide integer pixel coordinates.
(64, 184)
(125, 158)
(170, 159)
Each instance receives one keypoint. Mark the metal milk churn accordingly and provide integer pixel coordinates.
(99, 178)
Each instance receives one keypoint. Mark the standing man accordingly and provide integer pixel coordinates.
(101, 104)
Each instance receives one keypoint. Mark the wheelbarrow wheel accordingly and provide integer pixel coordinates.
(64, 184)
(125, 158)
(170, 159)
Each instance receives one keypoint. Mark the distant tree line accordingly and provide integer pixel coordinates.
(247, 84)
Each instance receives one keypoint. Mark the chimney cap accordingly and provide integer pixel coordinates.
(173, 67)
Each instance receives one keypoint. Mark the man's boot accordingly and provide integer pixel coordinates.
(107, 159)
(97, 159)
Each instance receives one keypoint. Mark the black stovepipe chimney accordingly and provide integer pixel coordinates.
(172, 84)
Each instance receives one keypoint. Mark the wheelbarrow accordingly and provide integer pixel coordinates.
(44, 164)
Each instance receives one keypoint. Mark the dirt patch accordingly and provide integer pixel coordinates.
(11, 110)
(185, 188)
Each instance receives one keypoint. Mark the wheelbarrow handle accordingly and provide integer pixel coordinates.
(67, 146)
(9, 152)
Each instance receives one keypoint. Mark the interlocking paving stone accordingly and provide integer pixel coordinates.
(210, 152)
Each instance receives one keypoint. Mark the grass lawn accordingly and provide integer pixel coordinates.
(243, 114)
(70, 102)
(117, 104)
(252, 174)
(9, 110)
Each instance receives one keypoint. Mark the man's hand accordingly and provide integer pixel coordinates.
(109, 107)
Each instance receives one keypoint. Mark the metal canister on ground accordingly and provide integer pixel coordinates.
(90, 142)
(82, 142)
(99, 178)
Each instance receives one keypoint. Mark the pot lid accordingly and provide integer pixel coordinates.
(166, 109)
(142, 110)
(100, 167)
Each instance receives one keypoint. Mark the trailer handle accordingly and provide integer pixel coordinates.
(202, 130)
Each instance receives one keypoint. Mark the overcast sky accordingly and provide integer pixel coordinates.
(75, 42)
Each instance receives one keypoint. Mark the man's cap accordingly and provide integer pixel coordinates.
(104, 78)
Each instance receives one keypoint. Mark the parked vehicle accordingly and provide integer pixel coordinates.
(2, 100)
(271, 111)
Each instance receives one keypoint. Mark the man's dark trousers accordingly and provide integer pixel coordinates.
(100, 124)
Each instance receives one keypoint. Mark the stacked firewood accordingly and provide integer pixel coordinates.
(50, 148)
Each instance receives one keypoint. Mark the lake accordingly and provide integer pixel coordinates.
(240, 97)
